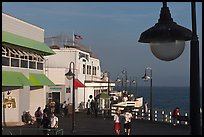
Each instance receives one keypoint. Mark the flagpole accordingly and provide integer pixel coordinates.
(73, 38)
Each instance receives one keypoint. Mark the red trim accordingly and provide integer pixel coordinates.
(78, 84)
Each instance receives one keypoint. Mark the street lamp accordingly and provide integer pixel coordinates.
(166, 33)
(70, 75)
(126, 80)
(134, 81)
(146, 78)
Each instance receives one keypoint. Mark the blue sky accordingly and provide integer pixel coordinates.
(112, 30)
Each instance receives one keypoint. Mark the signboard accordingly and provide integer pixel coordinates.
(9, 102)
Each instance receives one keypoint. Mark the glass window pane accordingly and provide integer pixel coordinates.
(24, 63)
(32, 65)
(5, 61)
(14, 62)
(40, 66)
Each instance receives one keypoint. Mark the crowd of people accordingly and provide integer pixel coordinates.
(46, 118)
(92, 107)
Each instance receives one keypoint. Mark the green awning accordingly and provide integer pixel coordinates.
(40, 80)
(14, 39)
(103, 95)
(10, 78)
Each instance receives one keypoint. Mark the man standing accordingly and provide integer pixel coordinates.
(88, 106)
(127, 123)
(54, 122)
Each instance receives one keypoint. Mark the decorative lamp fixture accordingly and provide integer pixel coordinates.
(69, 74)
(166, 38)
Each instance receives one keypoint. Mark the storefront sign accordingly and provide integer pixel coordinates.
(9, 102)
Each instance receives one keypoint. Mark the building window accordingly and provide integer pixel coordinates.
(94, 71)
(5, 61)
(30, 58)
(84, 68)
(24, 64)
(40, 66)
(88, 70)
(32, 65)
(14, 62)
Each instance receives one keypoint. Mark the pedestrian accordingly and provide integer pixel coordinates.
(95, 107)
(52, 106)
(69, 110)
(47, 110)
(54, 122)
(92, 106)
(127, 124)
(29, 118)
(88, 106)
(38, 116)
(175, 115)
(145, 109)
(117, 121)
(45, 123)
(64, 108)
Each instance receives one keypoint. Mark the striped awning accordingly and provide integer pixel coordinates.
(10, 78)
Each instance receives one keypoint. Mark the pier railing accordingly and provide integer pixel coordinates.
(158, 115)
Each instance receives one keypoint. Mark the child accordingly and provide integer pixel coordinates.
(117, 122)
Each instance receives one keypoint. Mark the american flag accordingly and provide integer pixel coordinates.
(77, 36)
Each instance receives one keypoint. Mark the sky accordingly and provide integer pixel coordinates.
(112, 30)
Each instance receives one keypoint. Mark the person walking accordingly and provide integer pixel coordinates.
(175, 115)
(95, 107)
(45, 123)
(92, 106)
(117, 121)
(127, 124)
(52, 106)
(88, 106)
(64, 108)
(47, 110)
(38, 116)
(54, 122)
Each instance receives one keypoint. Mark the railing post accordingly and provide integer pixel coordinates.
(177, 121)
(170, 117)
(136, 115)
(149, 114)
(186, 114)
(162, 116)
(155, 115)
(142, 113)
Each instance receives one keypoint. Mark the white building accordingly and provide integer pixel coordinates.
(23, 79)
(87, 71)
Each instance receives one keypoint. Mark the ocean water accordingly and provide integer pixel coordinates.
(166, 98)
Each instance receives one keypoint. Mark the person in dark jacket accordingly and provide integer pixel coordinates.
(45, 123)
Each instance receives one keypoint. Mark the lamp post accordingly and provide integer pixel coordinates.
(70, 75)
(134, 81)
(167, 40)
(84, 84)
(126, 80)
(108, 83)
(146, 78)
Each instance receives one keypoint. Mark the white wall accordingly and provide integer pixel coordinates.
(37, 99)
(57, 75)
(22, 28)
